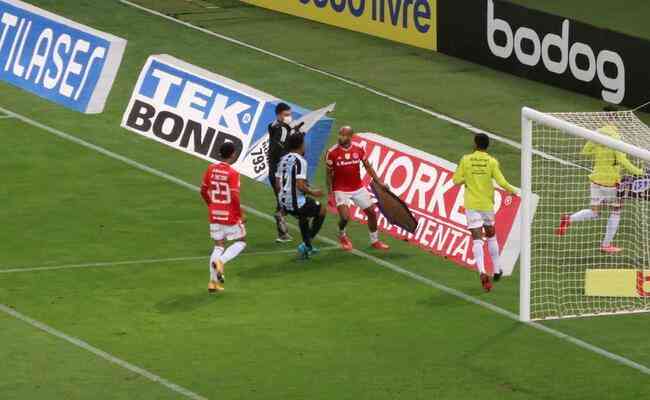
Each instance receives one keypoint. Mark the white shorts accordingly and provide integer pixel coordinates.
(604, 195)
(228, 232)
(479, 219)
(361, 198)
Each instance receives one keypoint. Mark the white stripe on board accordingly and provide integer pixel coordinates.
(387, 264)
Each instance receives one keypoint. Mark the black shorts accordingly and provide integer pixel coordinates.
(310, 209)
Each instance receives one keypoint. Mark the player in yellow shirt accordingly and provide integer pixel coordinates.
(604, 179)
(478, 171)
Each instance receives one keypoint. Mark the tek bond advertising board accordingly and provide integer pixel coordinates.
(410, 22)
(196, 111)
(55, 58)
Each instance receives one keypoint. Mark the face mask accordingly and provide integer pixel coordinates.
(287, 120)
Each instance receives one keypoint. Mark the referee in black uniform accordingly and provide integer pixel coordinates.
(279, 132)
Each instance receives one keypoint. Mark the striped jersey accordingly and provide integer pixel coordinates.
(291, 167)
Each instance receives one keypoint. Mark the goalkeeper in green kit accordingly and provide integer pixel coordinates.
(604, 179)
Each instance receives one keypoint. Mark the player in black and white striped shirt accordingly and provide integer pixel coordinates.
(294, 191)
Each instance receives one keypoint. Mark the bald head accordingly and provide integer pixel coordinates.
(345, 136)
(346, 130)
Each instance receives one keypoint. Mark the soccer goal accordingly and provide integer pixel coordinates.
(587, 250)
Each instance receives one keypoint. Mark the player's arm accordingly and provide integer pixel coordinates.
(371, 171)
(298, 129)
(329, 171)
(301, 180)
(589, 148)
(328, 179)
(459, 174)
(622, 159)
(501, 180)
(235, 185)
(205, 187)
(304, 187)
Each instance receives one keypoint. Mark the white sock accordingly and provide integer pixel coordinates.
(478, 255)
(216, 253)
(374, 237)
(232, 251)
(584, 215)
(493, 247)
(612, 227)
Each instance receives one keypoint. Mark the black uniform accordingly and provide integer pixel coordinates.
(278, 136)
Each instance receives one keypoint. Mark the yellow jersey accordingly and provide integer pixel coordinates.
(477, 171)
(608, 164)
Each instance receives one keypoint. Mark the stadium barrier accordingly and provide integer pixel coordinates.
(65, 62)
(546, 48)
(196, 111)
(499, 34)
(424, 182)
(411, 22)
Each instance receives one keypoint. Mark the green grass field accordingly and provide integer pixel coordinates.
(338, 327)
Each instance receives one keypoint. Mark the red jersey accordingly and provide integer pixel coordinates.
(345, 164)
(220, 190)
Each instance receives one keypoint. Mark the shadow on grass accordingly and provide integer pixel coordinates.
(288, 264)
(185, 302)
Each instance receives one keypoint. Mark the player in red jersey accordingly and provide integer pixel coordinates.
(220, 191)
(344, 179)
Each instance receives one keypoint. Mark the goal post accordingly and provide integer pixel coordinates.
(599, 263)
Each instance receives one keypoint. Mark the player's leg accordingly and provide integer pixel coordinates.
(279, 215)
(342, 200)
(362, 199)
(586, 214)
(319, 212)
(373, 230)
(305, 232)
(475, 226)
(218, 235)
(311, 217)
(344, 218)
(216, 267)
(237, 237)
(613, 222)
(493, 249)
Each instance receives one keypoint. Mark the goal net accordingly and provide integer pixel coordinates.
(587, 251)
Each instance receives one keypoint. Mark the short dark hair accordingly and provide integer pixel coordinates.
(482, 141)
(296, 141)
(227, 150)
(282, 107)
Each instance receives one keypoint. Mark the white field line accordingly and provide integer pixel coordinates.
(387, 264)
(356, 84)
(138, 262)
(102, 354)
(5, 116)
